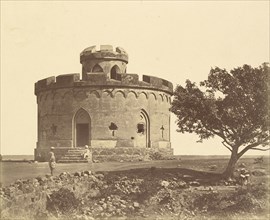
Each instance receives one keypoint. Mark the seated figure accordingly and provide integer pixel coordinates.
(86, 154)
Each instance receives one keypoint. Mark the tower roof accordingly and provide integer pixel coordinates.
(106, 52)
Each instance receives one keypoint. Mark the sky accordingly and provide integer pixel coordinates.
(174, 40)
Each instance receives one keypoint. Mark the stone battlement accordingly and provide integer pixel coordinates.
(101, 79)
(120, 115)
(105, 52)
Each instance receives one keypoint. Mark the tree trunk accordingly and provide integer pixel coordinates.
(231, 165)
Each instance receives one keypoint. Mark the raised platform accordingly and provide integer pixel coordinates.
(73, 156)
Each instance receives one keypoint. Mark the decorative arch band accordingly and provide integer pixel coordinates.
(109, 92)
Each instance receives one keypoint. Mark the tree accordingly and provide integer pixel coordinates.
(232, 105)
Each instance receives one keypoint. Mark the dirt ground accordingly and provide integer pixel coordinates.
(185, 188)
(11, 171)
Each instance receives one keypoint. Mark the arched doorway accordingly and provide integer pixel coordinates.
(82, 129)
(143, 130)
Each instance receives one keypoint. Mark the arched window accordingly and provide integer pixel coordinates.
(143, 130)
(145, 118)
(114, 71)
(97, 69)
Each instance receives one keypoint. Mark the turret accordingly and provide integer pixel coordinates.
(106, 60)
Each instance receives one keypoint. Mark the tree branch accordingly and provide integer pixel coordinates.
(226, 132)
(224, 144)
(255, 148)
(221, 134)
(250, 134)
(254, 145)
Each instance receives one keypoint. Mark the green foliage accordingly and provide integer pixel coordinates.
(238, 114)
(63, 201)
(232, 105)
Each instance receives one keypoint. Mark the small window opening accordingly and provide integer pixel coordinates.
(146, 79)
(113, 127)
(97, 69)
(114, 72)
(140, 128)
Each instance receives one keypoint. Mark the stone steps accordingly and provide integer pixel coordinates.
(75, 151)
(73, 156)
(72, 161)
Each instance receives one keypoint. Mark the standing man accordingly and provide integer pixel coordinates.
(52, 162)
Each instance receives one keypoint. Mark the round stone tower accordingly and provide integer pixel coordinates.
(119, 116)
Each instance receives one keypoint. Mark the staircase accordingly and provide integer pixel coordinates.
(73, 156)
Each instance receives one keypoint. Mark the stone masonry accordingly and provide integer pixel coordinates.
(115, 113)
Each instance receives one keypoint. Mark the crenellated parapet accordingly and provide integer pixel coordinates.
(102, 81)
(106, 52)
(118, 114)
(106, 59)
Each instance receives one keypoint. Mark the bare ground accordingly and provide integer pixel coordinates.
(187, 188)
(10, 171)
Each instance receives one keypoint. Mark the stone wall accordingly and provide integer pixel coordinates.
(56, 110)
(129, 154)
(111, 154)
(106, 109)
